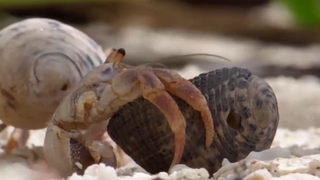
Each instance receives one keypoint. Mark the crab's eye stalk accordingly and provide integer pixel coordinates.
(115, 56)
(122, 51)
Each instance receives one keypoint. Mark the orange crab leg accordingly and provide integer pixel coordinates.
(185, 90)
(18, 139)
(153, 91)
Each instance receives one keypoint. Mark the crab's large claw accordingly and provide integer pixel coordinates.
(68, 155)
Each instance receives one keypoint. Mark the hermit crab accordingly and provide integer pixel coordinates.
(107, 88)
(161, 119)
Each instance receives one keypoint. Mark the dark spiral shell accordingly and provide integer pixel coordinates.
(245, 115)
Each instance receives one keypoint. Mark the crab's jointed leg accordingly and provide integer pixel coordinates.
(185, 90)
(135, 82)
(18, 139)
(154, 92)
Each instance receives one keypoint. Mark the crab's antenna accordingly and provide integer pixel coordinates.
(155, 65)
(197, 54)
(158, 63)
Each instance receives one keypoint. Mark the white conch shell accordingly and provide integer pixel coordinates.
(40, 60)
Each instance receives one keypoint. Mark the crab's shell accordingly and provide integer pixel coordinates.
(245, 116)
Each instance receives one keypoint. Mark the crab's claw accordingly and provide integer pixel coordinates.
(67, 155)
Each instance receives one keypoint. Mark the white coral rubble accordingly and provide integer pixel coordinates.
(294, 155)
(102, 172)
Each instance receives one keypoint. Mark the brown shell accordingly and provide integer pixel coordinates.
(245, 115)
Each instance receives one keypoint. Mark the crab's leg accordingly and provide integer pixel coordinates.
(131, 84)
(154, 92)
(18, 138)
(185, 90)
(11, 144)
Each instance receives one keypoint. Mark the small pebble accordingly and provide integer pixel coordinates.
(190, 174)
(262, 174)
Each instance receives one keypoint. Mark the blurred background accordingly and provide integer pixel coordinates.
(276, 39)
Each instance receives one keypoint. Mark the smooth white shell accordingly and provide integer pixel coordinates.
(40, 60)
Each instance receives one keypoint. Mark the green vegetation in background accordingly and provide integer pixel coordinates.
(43, 2)
(305, 12)
(30, 3)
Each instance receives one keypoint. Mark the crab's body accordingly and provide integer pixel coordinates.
(109, 87)
(139, 99)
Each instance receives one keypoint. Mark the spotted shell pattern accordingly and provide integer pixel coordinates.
(40, 61)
